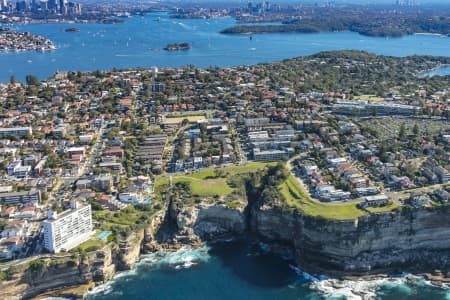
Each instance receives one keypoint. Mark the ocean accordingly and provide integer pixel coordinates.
(243, 271)
(103, 47)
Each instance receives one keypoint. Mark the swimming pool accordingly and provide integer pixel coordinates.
(103, 235)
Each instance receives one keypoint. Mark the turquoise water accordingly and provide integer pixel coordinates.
(103, 235)
(103, 47)
(237, 270)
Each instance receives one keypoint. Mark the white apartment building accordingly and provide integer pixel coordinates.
(69, 229)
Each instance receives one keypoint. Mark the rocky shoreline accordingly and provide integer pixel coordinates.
(350, 251)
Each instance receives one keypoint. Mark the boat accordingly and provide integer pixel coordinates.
(72, 30)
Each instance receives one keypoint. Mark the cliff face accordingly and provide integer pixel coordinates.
(410, 239)
(94, 267)
(413, 238)
(210, 221)
(129, 251)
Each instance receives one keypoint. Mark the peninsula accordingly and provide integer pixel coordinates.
(11, 40)
(369, 25)
(370, 20)
(339, 160)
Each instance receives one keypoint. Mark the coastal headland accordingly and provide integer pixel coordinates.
(347, 179)
(371, 246)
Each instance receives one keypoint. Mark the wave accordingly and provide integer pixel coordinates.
(103, 289)
(304, 275)
(184, 258)
(369, 289)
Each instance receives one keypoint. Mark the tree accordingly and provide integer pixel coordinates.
(31, 80)
(416, 129)
(401, 131)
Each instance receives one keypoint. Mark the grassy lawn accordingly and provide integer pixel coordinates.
(89, 245)
(191, 119)
(125, 217)
(211, 187)
(296, 197)
(204, 183)
(383, 209)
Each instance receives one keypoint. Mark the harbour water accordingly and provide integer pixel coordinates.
(240, 270)
(99, 46)
(439, 72)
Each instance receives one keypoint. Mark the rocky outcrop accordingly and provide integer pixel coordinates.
(129, 251)
(59, 273)
(210, 221)
(396, 241)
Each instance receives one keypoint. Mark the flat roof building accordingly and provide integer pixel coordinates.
(16, 131)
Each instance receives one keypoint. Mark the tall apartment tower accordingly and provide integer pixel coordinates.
(67, 230)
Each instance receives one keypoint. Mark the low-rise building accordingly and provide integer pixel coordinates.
(374, 201)
(16, 131)
(20, 197)
(272, 155)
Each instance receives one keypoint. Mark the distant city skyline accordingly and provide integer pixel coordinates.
(304, 1)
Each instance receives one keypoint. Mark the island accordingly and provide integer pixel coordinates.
(11, 40)
(177, 47)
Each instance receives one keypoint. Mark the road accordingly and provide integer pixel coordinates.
(63, 191)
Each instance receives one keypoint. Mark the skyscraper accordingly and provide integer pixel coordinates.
(52, 4)
(3, 4)
(63, 6)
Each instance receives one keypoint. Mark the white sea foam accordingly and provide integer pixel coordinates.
(103, 289)
(303, 274)
(362, 289)
(367, 289)
(184, 258)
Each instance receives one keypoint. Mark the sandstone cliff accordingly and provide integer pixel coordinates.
(410, 238)
(210, 221)
(61, 274)
(56, 274)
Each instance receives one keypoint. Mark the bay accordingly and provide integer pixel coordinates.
(439, 72)
(103, 47)
(242, 271)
